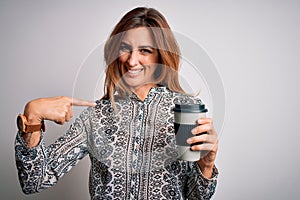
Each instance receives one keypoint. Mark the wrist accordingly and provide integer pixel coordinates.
(31, 139)
(206, 169)
(32, 119)
(31, 113)
(205, 165)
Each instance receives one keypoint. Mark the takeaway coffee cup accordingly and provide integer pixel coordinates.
(185, 119)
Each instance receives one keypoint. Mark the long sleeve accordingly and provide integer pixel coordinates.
(199, 187)
(132, 151)
(41, 167)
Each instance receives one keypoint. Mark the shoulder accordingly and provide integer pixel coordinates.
(91, 112)
(103, 104)
(105, 107)
(182, 98)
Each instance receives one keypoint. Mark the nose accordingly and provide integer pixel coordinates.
(133, 59)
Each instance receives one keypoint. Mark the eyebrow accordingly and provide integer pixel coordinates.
(146, 46)
(140, 47)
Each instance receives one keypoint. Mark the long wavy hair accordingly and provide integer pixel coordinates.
(168, 51)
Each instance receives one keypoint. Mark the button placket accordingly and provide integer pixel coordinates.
(138, 140)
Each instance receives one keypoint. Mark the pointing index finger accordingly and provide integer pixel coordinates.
(80, 102)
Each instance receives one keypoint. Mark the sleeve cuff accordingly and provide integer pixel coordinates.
(214, 176)
(20, 141)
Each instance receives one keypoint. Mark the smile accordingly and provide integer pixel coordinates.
(135, 71)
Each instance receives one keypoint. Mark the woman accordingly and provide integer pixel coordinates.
(129, 133)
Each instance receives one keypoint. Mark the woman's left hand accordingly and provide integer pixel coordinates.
(208, 145)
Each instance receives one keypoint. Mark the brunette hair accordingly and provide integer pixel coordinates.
(165, 42)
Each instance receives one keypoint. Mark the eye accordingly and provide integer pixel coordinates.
(125, 48)
(145, 51)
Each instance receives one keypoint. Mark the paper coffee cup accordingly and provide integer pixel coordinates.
(185, 119)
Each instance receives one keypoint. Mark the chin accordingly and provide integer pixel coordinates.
(132, 85)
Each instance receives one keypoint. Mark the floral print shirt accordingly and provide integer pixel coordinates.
(132, 151)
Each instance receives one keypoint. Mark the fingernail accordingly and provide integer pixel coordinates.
(189, 141)
(194, 131)
(200, 121)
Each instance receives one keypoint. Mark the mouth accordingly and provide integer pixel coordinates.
(133, 72)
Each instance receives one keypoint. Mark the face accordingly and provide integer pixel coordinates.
(138, 58)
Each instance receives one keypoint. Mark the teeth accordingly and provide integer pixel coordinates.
(135, 71)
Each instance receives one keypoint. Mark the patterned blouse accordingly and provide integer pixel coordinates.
(132, 152)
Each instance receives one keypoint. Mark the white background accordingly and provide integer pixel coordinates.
(254, 44)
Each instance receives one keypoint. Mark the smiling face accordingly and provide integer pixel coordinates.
(138, 58)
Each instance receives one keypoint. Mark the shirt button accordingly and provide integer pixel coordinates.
(134, 172)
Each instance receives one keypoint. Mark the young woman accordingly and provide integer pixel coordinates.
(129, 133)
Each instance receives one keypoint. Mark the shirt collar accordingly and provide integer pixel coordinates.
(152, 93)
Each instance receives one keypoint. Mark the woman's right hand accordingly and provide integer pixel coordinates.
(57, 109)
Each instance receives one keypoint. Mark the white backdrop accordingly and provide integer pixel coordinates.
(254, 44)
